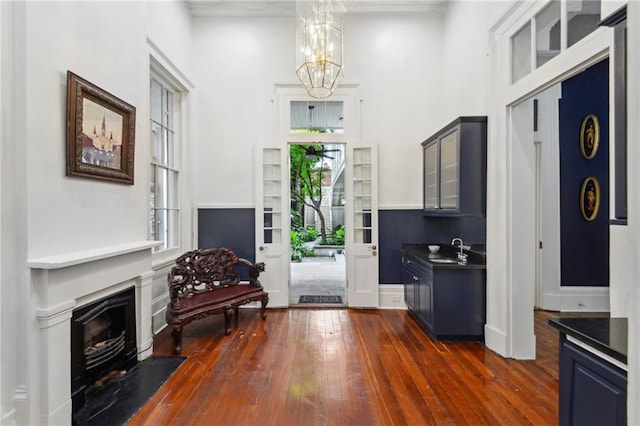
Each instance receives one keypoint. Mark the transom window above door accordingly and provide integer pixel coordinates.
(554, 28)
(317, 117)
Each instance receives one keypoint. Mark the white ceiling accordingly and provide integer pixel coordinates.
(279, 8)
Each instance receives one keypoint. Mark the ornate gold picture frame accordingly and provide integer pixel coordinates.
(590, 198)
(589, 136)
(100, 133)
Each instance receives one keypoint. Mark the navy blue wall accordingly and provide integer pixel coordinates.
(235, 229)
(584, 245)
(231, 228)
(396, 227)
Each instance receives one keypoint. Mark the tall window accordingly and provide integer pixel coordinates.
(164, 211)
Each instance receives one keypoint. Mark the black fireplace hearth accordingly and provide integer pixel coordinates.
(103, 344)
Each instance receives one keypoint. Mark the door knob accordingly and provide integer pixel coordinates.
(373, 247)
(261, 248)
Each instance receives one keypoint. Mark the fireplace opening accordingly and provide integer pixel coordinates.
(103, 344)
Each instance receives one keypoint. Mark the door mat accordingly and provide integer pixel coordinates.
(321, 299)
(117, 402)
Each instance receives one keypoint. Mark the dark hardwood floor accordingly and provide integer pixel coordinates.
(348, 367)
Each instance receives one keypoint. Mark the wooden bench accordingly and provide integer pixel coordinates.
(206, 282)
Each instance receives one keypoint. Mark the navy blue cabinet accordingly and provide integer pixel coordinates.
(410, 280)
(448, 301)
(454, 169)
(592, 390)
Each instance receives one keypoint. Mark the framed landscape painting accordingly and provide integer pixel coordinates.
(100, 133)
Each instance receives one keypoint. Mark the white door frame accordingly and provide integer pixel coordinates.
(510, 236)
(282, 137)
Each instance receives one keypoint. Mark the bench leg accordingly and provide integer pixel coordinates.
(177, 340)
(263, 305)
(228, 313)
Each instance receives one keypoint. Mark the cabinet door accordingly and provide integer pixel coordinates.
(410, 282)
(431, 162)
(592, 391)
(425, 300)
(449, 171)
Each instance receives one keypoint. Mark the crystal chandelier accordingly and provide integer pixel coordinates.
(319, 47)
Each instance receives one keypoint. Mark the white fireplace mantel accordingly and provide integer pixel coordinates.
(76, 258)
(65, 282)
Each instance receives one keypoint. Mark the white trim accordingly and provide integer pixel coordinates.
(391, 296)
(597, 353)
(509, 329)
(577, 299)
(162, 69)
(54, 315)
(160, 264)
(225, 206)
(167, 65)
(76, 258)
(495, 339)
(400, 207)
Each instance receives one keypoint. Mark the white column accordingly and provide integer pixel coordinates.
(55, 363)
(144, 332)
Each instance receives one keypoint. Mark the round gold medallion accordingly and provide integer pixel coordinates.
(589, 136)
(590, 198)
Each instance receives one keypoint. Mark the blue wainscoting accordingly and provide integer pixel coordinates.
(233, 228)
(396, 227)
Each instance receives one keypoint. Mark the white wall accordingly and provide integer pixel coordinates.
(396, 60)
(633, 158)
(467, 65)
(71, 214)
(47, 213)
(240, 61)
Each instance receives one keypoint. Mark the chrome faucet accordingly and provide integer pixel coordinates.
(461, 255)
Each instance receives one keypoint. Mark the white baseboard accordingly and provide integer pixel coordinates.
(496, 340)
(9, 418)
(158, 321)
(577, 300)
(391, 296)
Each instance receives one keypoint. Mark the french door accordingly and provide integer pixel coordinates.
(362, 227)
(272, 222)
(361, 238)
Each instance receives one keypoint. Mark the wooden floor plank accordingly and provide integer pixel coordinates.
(313, 366)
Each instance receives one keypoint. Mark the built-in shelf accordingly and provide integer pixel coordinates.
(79, 257)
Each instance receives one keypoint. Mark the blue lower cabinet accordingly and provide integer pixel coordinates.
(449, 302)
(592, 390)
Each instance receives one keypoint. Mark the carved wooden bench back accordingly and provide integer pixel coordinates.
(203, 270)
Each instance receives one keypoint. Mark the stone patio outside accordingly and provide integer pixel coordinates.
(321, 276)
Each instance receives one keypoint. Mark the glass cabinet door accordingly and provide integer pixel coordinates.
(449, 171)
(431, 176)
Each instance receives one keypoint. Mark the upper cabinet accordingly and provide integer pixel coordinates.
(455, 169)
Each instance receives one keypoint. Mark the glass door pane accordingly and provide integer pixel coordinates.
(521, 53)
(362, 193)
(449, 171)
(272, 196)
(431, 176)
(548, 33)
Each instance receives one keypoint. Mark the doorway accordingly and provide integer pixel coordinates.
(317, 199)
(567, 232)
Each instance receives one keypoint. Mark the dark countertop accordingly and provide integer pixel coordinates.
(608, 335)
(476, 259)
